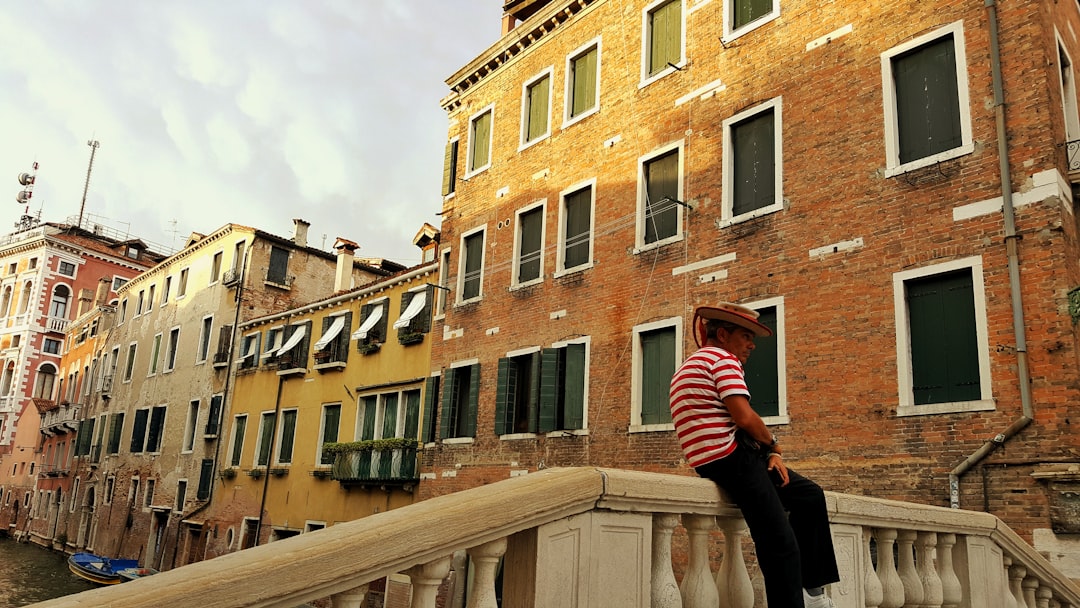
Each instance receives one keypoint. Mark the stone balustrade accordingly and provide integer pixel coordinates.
(604, 537)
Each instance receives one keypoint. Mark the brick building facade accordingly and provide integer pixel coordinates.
(612, 165)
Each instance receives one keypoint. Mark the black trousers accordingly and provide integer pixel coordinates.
(789, 524)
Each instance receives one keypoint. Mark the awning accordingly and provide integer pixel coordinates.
(414, 308)
(271, 350)
(250, 350)
(368, 323)
(331, 333)
(294, 339)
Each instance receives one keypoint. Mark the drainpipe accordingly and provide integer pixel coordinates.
(269, 459)
(1011, 238)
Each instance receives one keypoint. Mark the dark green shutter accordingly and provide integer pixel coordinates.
(266, 432)
(331, 425)
(549, 389)
(288, 435)
(431, 400)
(584, 87)
(412, 414)
(754, 180)
(367, 428)
(503, 409)
(574, 387)
(157, 422)
(450, 168)
(538, 94)
(279, 265)
(534, 393)
(578, 228)
(662, 189)
(530, 244)
(658, 365)
(213, 417)
(449, 405)
(474, 400)
(422, 321)
(944, 343)
(138, 430)
(474, 259)
(927, 103)
(761, 370)
(206, 477)
(238, 440)
(390, 409)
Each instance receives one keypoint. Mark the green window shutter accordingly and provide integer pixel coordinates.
(503, 413)
(450, 168)
(574, 387)
(584, 87)
(474, 259)
(661, 182)
(927, 100)
(665, 36)
(367, 428)
(549, 389)
(747, 11)
(206, 477)
(578, 228)
(657, 367)
(474, 400)
(238, 440)
(157, 423)
(412, 414)
(390, 410)
(422, 322)
(115, 431)
(279, 265)
(288, 435)
(138, 431)
(944, 343)
(331, 427)
(449, 405)
(533, 406)
(266, 431)
(213, 417)
(431, 400)
(530, 245)
(754, 182)
(538, 94)
(762, 374)
(480, 141)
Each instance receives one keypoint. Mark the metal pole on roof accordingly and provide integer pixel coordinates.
(94, 145)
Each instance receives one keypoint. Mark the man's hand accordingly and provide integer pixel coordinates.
(776, 463)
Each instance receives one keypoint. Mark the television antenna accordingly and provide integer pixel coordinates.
(26, 180)
(94, 145)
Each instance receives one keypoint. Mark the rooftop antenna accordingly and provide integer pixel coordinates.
(94, 145)
(26, 180)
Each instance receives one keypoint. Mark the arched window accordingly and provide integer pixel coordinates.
(24, 297)
(5, 379)
(58, 308)
(43, 384)
(5, 303)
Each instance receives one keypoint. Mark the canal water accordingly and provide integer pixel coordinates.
(30, 573)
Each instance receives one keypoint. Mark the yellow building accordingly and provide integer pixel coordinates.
(353, 367)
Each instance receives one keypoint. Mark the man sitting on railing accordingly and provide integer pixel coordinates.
(726, 441)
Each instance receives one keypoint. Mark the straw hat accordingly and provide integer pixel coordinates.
(732, 313)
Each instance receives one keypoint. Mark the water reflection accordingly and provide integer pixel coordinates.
(29, 573)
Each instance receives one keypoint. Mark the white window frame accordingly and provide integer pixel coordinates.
(568, 83)
(560, 254)
(731, 33)
(906, 406)
(232, 441)
(259, 439)
(639, 243)
(525, 142)
(542, 205)
(206, 334)
(469, 150)
(460, 291)
(1069, 105)
(892, 136)
(782, 416)
(191, 426)
(636, 380)
(646, 38)
(129, 362)
(727, 217)
(584, 430)
(155, 355)
(168, 366)
(322, 430)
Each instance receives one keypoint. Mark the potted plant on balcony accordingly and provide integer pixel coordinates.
(228, 473)
(322, 356)
(410, 337)
(366, 348)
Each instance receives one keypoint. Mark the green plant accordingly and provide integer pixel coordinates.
(410, 337)
(369, 445)
(368, 348)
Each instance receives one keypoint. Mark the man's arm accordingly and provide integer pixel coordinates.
(748, 420)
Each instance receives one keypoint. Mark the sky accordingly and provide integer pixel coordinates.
(246, 111)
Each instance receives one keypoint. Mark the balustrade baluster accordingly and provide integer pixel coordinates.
(892, 588)
(1016, 577)
(951, 591)
(425, 579)
(872, 594)
(732, 579)
(925, 544)
(353, 598)
(1010, 596)
(1029, 585)
(1043, 597)
(486, 560)
(698, 586)
(665, 590)
(909, 576)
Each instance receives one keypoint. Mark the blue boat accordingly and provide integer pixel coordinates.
(98, 569)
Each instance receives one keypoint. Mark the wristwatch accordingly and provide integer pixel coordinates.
(774, 441)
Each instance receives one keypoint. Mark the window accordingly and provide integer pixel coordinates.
(331, 421)
(238, 258)
(293, 354)
(444, 273)
(58, 306)
(148, 497)
(204, 339)
(206, 479)
(115, 431)
(239, 427)
(118, 282)
(155, 355)
(273, 343)
(129, 367)
(213, 417)
(461, 395)
(415, 317)
(181, 495)
(470, 281)
(191, 426)
(32, 264)
(150, 298)
(139, 305)
(156, 428)
(170, 349)
(386, 415)
(517, 394)
(742, 16)
(67, 269)
(536, 109)
(662, 40)
(373, 324)
(288, 435)
(51, 346)
(660, 189)
(449, 184)
(181, 285)
(44, 381)
(942, 347)
(765, 371)
(123, 311)
(85, 434)
(1068, 91)
(334, 343)
(529, 245)
(480, 134)
(752, 181)
(249, 351)
(278, 271)
(575, 228)
(582, 82)
(165, 290)
(927, 118)
(564, 385)
(146, 431)
(215, 268)
(655, 357)
(266, 433)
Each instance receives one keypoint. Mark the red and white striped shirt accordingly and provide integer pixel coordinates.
(698, 388)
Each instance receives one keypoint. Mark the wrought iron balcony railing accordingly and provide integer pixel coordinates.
(377, 467)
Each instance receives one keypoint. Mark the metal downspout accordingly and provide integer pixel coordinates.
(1023, 374)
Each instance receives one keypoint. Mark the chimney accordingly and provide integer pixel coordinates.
(104, 286)
(86, 298)
(300, 228)
(508, 23)
(346, 253)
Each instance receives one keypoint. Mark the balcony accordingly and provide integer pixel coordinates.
(61, 419)
(8, 404)
(56, 324)
(376, 467)
(231, 277)
(221, 359)
(603, 537)
(278, 280)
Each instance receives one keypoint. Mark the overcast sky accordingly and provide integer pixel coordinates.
(245, 111)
